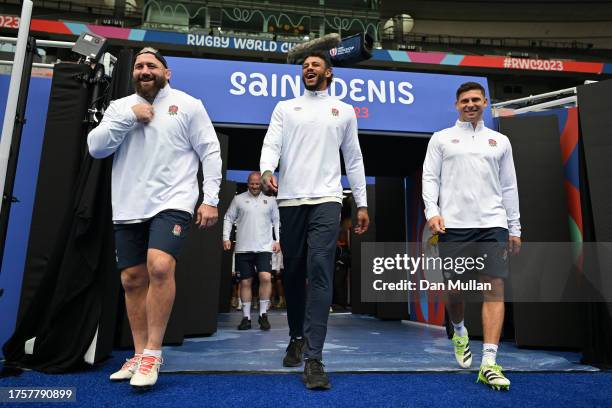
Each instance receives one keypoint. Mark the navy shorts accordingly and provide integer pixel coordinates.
(488, 244)
(248, 264)
(166, 231)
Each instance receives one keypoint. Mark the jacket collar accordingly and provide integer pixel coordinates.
(468, 125)
(316, 94)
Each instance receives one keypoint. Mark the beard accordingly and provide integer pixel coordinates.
(146, 91)
(320, 79)
(255, 191)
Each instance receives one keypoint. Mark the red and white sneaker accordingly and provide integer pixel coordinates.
(128, 369)
(147, 373)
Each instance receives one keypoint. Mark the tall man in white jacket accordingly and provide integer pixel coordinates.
(471, 196)
(306, 135)
(158, 136)
(255, 215)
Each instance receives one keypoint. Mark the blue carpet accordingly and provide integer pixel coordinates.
(354, 344)
(349, 390)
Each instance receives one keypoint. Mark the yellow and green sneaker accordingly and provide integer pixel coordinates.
(492, 376)
(463, 355)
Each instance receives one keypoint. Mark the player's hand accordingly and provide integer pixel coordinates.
(143, 112)
(276, 247)
(227, 244)
(514, 245)
(363, 220)
(436, 225)
(268, 180)
(207, 216)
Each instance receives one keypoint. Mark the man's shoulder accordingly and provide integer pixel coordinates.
(341, 103)
(446, 132)
(280, 105)
(177, 93)
(269, 199)
(343, 106)
(289, 102)
(241, 196)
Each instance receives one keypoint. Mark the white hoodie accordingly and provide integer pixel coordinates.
(306, 134)
(155, 165)
(255, 217)
(469, 179)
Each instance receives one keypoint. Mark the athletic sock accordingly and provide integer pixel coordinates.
(489, 354)
(263, 306)
(246, 309)
(460, 329)
(154, 353)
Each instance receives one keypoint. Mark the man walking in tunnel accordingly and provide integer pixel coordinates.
(306, 135)
(255, 215)
(158, 135)
(471, 201)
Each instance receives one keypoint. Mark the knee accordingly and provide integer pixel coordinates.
(497, 284)
(496, 291)
(265, 278)
(320, 281)
(160, 269)
(132, 280)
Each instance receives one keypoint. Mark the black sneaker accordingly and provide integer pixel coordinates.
(245, 324)
(314, 375)
(264, 324)
(295, 349)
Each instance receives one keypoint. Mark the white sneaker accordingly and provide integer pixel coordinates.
(147, 373)
(128, 369)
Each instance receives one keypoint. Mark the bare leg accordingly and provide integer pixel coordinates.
(265, 285)
(246, 294)
(160, 298)
(493, 309)
(455, 306)
(135, 281)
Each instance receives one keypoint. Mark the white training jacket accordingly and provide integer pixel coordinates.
(155, 165)
(254, 217)
(306, 134)
(469, 179)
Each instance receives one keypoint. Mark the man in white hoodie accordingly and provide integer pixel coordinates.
(471, 202)
(158, 135)
(255, 216)
(306, 135)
